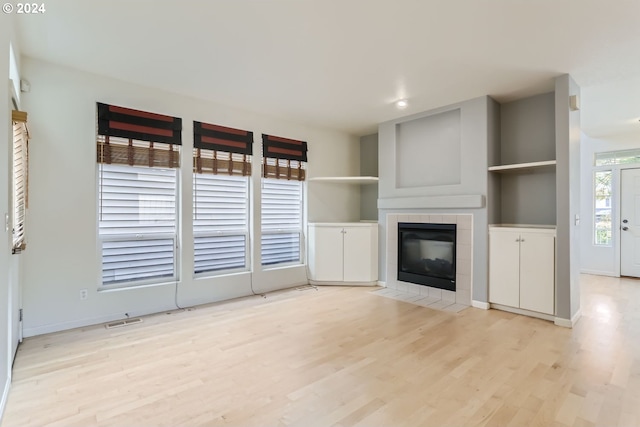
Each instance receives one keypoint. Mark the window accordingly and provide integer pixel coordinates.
(221, 171)
(137, 223)
(138, 157)
(284, 164)
(602, 208)
(281, 221)
(20, 179)
(617, 157)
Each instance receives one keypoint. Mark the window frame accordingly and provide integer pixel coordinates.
(19, 180)
(223, 152)
(596, 171)
(221, 233)
(175, 237)
(146, 141)
(292, 230)
(284, 160)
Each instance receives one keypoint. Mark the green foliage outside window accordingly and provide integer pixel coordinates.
(602, 218)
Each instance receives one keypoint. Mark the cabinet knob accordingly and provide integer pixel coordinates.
(625, 228)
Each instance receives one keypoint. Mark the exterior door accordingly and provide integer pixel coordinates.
(630, 223)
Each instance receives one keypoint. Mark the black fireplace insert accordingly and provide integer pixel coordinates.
(427, 254)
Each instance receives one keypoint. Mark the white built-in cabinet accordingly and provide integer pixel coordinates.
(343, 253)
(522, 268)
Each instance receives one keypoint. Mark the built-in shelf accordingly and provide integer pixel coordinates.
(347, 179)
(525, 167)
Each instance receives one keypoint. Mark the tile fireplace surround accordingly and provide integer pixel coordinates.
(464, 249)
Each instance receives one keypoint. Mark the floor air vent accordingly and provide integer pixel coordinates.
(121, 323)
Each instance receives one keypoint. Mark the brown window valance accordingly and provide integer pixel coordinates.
(138, 138)
(283, 158)
(221, 150)
(139, 125)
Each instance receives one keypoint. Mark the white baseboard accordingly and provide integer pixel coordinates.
(5, 395)
(57, 327)
(480, 304)
(599, 273)
(381, 283)
(566, 323)
(323, 283)
(91, 321)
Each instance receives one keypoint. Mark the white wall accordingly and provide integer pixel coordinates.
(63, 255)
(604, 260)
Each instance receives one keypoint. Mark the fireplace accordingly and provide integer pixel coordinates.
(427, 254)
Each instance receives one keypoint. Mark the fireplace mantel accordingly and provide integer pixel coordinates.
(473, 201)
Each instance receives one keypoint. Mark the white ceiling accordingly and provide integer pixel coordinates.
(342, 63)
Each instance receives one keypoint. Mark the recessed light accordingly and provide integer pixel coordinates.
(402, 103)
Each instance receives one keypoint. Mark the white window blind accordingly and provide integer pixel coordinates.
(19, 180)
(220, 222)
(281, 221)
(137, 223)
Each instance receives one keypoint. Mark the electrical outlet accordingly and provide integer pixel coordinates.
(84, 294)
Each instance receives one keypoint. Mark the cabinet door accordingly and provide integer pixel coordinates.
(504, 268)
(360, 254)
(537, 272)
(325, 254)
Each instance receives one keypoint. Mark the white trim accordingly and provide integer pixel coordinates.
(599, 272)
(5, 395)
(480, 304)
(382, 283)
(325, 283)
(566, 323)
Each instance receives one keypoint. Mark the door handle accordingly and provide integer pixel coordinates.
(625, 228)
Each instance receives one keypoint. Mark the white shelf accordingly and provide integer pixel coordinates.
(548, 227)
(525, 167)
(347, 179)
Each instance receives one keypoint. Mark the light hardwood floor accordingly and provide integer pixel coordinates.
(340, 356)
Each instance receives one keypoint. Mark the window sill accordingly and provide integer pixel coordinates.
(281, 266)
(221, 274)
